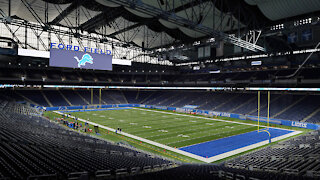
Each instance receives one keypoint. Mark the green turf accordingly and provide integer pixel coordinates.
(171, 122)
(135, 143)
(171, 129)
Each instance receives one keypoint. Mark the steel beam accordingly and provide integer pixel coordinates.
(65, 12)
(175, 10)
(180, 21)
(99, 20)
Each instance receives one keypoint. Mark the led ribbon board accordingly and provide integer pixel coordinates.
(72, 58)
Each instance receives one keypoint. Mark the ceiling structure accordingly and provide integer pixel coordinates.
(127, 23)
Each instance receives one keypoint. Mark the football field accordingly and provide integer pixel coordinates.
(202, 138)
(169, 129)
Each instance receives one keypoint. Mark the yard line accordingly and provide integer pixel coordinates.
(212, 119)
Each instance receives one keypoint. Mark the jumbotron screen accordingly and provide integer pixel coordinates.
(78, 59)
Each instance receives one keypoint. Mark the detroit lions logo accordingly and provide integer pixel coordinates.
(86, 58)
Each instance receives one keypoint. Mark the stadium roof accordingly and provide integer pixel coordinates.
(142, 29)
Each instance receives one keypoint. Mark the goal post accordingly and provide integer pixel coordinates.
(268, 115)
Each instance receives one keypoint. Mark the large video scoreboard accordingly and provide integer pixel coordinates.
(70, 56)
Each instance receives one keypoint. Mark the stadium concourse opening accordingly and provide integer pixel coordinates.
(166, 89)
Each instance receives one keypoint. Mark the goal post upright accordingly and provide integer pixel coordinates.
(258, 111)
(91, 96)
(268, 110)
(100, 97)
(268, 121)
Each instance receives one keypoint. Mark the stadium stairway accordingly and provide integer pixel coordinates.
(124, 97)
(168, 100)
(27, 99)
(276, 105)
(112, 96)
(225, 102)
(237, 100)
(143, 96)
(116, 96)
(97, 96)
(107, 98)
(137, 95)
(263, 103)
(243, 104)
(84, 99)
(55, 98)
(73, 97)
(166, 97)
(211, 100)
(132, 96)
(147, 97)
(202, 101)
(65, 98)
(197, 100)
(290, 106)
(45, 98)
(310, 116)
(175, 103)
(304, 107)
(154, 98)
(35, 96)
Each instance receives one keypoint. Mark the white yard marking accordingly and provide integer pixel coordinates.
(110, 118)
(133, 123)
(102, 116)
(182, 135)
(229, 127)
(207, 160)
(210, 124)
(148, 127)
(121, 120)
(162, 130)
(193, 121)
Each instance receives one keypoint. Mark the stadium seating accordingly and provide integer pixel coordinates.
(31, 146)
(294, 107)
(196, 171)
(297, 156)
